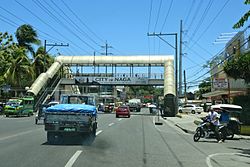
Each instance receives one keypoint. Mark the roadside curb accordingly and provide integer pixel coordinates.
(184, 129)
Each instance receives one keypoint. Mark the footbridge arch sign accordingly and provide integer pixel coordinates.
(138, 60)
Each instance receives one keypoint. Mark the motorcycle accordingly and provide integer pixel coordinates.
(204, 131)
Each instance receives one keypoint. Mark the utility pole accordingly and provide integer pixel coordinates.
(52, 45)
(106, 53)
(94, 63)
(180, 61)
(176, 55)
(185, 87)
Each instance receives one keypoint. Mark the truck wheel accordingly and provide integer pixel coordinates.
(193, 112)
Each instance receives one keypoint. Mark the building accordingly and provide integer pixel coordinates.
(224, 88)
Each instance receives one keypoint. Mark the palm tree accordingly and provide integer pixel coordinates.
(26, 36)
(19, 72)
(41, 61)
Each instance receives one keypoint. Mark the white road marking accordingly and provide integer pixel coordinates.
(97, 133)
(119, 119)
(73, 158)
(111, 124)
(209, 157)
(18, 134)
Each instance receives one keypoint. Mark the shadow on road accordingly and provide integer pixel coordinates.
(84, 140)
(242, 150)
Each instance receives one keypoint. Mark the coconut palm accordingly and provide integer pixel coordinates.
(19, 72)
(41, 61)
(26, 36)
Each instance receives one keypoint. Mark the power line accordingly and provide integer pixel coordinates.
(76, 27)
(222, 61)
(82, 21)
(39, 4)
(6, 20)
(202, 18)
(20, 19)
(50, 26)
(150, 12)
(170, 6)
(195, 14)
(210, 24)
(189, 12)
(195, 52)
(158, 14)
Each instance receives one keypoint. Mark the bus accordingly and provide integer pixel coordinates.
(19, 107)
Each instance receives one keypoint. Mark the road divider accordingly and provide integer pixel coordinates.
(98, 132)
(18, 134)
(73, 158)
(111, 124)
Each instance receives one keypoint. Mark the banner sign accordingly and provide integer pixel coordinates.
(220, 83)
(113, 80)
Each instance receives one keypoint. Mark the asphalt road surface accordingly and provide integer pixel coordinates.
(122, 142)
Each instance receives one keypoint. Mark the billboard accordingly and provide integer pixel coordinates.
(220, 83)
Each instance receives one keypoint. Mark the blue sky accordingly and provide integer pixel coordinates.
(125, 24)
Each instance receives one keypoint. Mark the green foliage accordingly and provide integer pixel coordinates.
(204, 87)
(244, 18)
(239, 68)
(243, 101)
(26, 36)
(16, 68)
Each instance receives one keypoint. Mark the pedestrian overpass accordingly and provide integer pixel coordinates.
(69, 70)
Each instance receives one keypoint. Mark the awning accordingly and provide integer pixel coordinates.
(221, 92)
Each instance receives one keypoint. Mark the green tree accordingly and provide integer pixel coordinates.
(41, 61)
(204, 87)
(239, 68)
(244, 18)
(19, 73)
(26, 37)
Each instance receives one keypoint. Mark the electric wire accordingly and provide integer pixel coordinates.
(211, 23)
(189, 12)
(51, 27)
(222, 61)
(158, 14)
(195, 14)
(165, 20)
(40, 5)
(85, 25)
(76, 27)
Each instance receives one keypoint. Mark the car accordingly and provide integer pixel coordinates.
(190, 108)
(123, 111)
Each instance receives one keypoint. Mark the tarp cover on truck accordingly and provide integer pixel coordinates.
(76, 108)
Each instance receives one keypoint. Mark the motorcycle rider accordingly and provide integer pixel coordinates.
(213, 118)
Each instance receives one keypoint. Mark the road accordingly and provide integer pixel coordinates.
(122, 142)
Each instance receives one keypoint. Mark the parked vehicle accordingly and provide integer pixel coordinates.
(75, 115)
(123, 111)
(204, 131)
(190, 108)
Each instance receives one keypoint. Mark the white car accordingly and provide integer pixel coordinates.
(190, 108)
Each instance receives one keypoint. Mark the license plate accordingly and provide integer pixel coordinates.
(69, 129)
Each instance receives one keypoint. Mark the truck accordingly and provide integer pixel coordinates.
(75, 115)
(134, 105)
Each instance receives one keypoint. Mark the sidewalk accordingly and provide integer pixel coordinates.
(186, 122)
